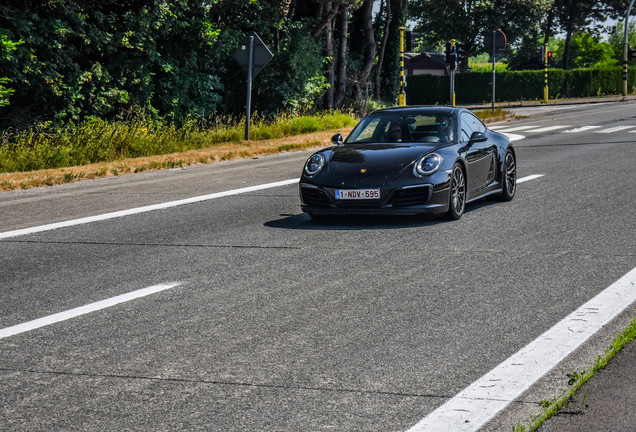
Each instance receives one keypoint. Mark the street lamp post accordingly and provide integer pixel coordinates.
(626, 47)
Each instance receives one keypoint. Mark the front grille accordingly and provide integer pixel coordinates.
(411, 196)
(361, 204)
(315, 197)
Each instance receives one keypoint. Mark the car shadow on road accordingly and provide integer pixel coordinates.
(303, 221)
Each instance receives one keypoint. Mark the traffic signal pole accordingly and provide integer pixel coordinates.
(452, 83)
(626, 48)
(545, 73)
(402, 95)
(494, 64)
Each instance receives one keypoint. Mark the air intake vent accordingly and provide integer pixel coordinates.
(411, 196)
(315, 197)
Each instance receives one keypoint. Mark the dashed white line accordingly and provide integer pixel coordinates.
(581, 129)
(161, 206)
(482, 400)
(82, 310)
(548, 128)
(614, 129)
(503, 129)
(513, 137)
(528, 178)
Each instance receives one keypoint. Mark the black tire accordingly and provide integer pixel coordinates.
(509, 177)
(457, 201)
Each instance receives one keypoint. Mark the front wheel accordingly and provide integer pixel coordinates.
(509, 177)
(457, 193)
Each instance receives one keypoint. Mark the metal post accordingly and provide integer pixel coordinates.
(452, 86)
(626, 48)
(493, 67)
(250, 65)
(402, 95)
(545, 73)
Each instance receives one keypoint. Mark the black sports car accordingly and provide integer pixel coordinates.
(409, 160)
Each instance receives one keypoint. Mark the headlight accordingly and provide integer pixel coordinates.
(428, 164)
(314, 164)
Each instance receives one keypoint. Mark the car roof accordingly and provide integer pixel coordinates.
(417, 108)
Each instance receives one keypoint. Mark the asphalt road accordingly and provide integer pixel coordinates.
(283, 323)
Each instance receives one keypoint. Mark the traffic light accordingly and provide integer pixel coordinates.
(460, 50)
(550, 58)
(411, 41)
(451, 56)
(631, 53)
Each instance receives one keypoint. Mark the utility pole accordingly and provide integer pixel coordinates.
(626, 48)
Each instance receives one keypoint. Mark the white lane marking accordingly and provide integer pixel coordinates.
(513, 137)
(161, 206)
(581, 129)
(502, 129)
(82, 310)
(548, 128)
(530, 177)
(614, 129)
(482, 400)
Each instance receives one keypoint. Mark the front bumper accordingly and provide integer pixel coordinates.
(404, 200)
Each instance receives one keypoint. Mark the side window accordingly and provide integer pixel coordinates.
(477, 124)
(470, 124)
(467, 126)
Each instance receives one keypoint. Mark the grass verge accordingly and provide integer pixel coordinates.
(577, 379)
(46, 155)
(216, 153)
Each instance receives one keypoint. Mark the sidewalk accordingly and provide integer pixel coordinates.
(533, 103)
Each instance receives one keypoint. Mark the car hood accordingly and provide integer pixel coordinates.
(354, 165)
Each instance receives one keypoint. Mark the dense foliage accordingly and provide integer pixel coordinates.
(116, 59)
(69, 60)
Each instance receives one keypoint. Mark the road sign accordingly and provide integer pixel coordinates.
(499, 38)
(260, 57)
(494, 41)
(252, 55)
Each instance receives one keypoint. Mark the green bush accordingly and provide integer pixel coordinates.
(476, 87)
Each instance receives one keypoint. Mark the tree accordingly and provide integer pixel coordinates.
(6, 49)
(468, 20)
(588, 50)
(583, 16)
(617, 39)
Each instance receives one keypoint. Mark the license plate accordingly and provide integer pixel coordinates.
(355, 194)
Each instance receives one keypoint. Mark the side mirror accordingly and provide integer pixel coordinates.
(477, 137)
(337, 139)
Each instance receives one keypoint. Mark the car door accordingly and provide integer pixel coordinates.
(480, 156)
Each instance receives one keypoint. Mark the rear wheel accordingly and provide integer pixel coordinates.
(457, 193)
(509, 177)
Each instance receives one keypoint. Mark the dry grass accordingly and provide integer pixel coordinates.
(216, 153)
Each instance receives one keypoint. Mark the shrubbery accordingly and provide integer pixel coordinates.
(476, 87)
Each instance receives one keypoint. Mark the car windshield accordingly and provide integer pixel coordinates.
(411, 127)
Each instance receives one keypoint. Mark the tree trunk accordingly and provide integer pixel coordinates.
(329, 95)
(569, 31)
(341, 88)
(327, 18)
(366, 13)
(385, 38)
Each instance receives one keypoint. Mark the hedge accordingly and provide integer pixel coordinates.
(476, 87)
